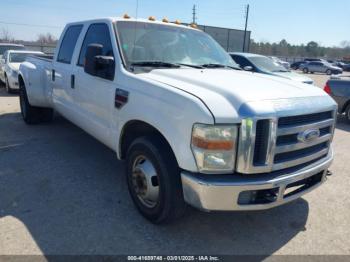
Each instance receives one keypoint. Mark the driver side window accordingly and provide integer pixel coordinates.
(97, 34)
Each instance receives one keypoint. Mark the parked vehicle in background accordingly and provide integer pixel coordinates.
(285, 64)
(264, 65)
(3, 48)
(339, 90)
(339, 64)
(296, 65)
(313, 60)
(10, 63)
(346, 67)
(320, 67)
(8, 46)
(191, 126)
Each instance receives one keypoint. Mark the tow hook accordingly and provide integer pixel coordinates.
(329, 173)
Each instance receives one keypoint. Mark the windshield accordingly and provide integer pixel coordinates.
(4, 48)
(18, 57)
(146, 42)
(267, 64)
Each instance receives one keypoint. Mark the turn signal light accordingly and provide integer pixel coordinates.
(212, 144)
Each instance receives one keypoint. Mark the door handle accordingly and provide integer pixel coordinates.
(72, 81)
(53, 76)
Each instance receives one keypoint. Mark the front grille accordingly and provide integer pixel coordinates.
(304, 119)
(290, 151)
(282, 157)
(261, 143)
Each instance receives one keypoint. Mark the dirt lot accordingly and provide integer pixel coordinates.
(62, 192)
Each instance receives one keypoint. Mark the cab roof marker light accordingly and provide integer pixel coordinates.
(194, 26)
(165, 20)
(151, 18)
(178, 22)
(126, 16)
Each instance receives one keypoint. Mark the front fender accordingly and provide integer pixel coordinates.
(171, 111)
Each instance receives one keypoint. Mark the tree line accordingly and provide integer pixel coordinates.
(311, 49)
(43, 39)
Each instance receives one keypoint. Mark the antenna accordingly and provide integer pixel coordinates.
(137, 9)
(246, 25)
(194, 17)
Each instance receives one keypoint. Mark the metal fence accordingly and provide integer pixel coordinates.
(230, 39)
(47, 49)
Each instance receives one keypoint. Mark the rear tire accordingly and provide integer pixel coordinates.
(32, 114)
(347, 113)
(161, 200)
(329, 72)
(305, 70)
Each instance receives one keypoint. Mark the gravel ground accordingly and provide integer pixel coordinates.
(62, 192)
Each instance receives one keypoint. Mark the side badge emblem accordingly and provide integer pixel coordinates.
(121, 98)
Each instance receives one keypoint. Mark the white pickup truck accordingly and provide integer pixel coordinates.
(192, 127)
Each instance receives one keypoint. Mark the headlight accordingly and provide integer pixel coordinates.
(214, 147)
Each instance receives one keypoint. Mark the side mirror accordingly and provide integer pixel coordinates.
(98, 65)
(248, 68)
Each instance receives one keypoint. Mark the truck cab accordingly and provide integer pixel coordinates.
(191, 126)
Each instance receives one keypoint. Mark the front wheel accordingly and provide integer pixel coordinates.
(306, 70)
(329, 72)
(9, 90)
(154, 180)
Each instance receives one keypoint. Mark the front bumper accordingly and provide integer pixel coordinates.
(225, 192)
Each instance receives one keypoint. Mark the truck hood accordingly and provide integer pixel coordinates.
(293, 76)
(225, 91)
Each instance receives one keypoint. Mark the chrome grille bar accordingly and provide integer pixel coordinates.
(297, 146)
(300, 161)
(298, 129)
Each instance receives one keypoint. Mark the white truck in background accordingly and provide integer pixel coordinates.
(3, 48)
(192, 127)
(10, 63)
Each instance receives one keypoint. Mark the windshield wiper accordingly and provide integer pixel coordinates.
(189, 65)
(164, 64)
(155, 64)
(220, 66)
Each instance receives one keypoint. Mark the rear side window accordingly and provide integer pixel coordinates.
(97, 34)
(68, 44)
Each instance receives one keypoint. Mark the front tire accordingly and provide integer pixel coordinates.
(32, 114)
(306, 70)
(329, 72)
(9, 90)
(154, 180)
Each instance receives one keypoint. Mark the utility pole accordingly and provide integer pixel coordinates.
(246, 25)
(194, 15)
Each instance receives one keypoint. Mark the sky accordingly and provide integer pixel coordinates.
(297, 21)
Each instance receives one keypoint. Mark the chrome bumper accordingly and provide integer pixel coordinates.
(222, 192)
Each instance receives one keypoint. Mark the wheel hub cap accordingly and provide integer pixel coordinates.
(145, 181)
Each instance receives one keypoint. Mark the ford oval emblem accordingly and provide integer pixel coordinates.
(309, 135)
